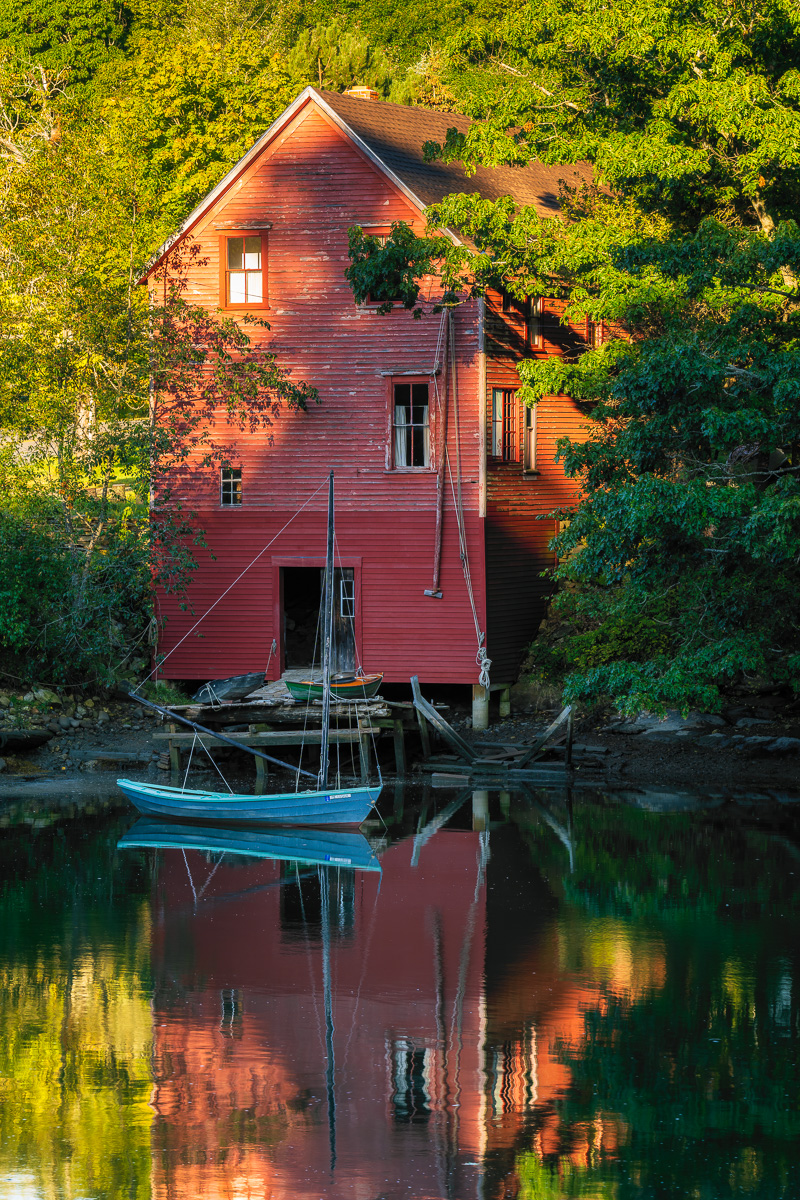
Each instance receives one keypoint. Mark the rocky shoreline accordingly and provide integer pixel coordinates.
(748, 746)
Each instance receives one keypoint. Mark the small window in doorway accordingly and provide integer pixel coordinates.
(411, 425)
(347, 597)
(230, 487)
(504, 424)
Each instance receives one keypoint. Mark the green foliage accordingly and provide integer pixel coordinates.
(687, 251)
(83, 450)
(335, 57)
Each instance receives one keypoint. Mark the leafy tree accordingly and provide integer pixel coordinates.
(84, 450)
(687, 253)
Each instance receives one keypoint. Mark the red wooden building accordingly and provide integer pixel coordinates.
(438, 466)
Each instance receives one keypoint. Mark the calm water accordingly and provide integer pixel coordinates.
(535, 1000)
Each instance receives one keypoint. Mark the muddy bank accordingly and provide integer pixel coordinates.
(749, 747)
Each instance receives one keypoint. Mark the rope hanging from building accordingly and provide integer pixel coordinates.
(447, 334)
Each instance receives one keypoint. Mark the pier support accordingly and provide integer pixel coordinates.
(480, 706)
(480, 811)
(505, 702)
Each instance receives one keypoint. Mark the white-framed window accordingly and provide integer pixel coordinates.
(411, 431)
(230, 486)
(347, 597)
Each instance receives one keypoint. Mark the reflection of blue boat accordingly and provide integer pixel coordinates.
(307, 847)
(327, 807)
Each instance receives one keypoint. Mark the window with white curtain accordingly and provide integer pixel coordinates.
(411, 425)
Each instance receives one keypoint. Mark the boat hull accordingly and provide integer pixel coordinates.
(356, 689)
(328, 807)
(307, 848)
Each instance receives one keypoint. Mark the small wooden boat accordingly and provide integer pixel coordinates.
(326, 847)
(224, 691)
(327, 807)
(359, 687)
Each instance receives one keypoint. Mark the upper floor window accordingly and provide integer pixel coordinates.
(504, 424)
(529, 441)
(243, 269)
(230, 486)
(535, 332)
(411, 425)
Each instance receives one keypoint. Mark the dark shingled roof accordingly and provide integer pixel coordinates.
(396, 133)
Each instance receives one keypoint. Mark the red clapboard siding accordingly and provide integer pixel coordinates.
(311, 183)
(397, 627)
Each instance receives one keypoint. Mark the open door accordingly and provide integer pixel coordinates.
(303, 595)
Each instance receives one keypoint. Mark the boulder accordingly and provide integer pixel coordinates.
(785, 745)
(749, 722)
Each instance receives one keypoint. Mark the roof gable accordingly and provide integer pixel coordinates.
(392, 136)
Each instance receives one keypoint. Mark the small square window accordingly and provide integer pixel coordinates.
(411, 425)
(230, 487)
(243, 270)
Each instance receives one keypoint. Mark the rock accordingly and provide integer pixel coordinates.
(80, 711)
(585, 748)
(87, 723)
(74, 724)
(714, 741)
(2, 764)
(28, 697)
(785, 745)
(103, 717)
(45, 696)
(65, 722)
(626, 727)
(5, 700)
(754, 745)
(749, 722)
(88, 703)
(54, 726)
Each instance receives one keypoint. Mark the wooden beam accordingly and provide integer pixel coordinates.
(540, 743)
(462, 748)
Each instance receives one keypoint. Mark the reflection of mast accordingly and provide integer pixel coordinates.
(324, 887)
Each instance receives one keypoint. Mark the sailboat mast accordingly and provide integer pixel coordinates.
(327, 645)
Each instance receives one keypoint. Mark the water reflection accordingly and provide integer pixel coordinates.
(524, 995)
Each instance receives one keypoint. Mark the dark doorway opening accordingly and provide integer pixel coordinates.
(303, 594)
(302, 597)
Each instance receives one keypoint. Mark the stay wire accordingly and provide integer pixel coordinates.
(219, 599)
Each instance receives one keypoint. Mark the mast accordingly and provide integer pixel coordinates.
(327, 646)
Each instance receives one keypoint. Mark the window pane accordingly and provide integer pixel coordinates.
(419, 393)
(235, 254)
(252, 253)
(497, 423)
(254, 286)
(236, 291)
(402, 393)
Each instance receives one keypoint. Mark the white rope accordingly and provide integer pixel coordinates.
(233, 585)
(482, 659)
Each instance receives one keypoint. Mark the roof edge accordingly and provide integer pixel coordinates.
(308, 93)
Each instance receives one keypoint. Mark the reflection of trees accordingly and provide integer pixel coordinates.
(75, 1023)
(688, 925)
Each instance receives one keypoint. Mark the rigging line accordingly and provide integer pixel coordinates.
(189, 873)
(211, 876)
(364, 960)
(188, 765)
(216, 767)
(307, 947)
(233, 585)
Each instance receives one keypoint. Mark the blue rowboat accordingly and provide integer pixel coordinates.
(327, 807)
(332, 848)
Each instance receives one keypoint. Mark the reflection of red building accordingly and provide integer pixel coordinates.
(447, 1006)
(240, 1062)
